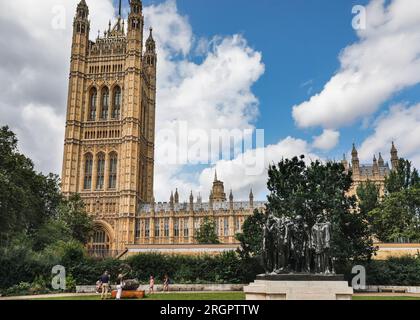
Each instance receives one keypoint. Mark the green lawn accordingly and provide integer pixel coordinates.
(385, 298)
(172, 296)
(219, 296)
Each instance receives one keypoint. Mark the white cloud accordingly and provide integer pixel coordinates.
(34, 72)
(327, 140)
(385, 60)
(400, 124)
(234, 172)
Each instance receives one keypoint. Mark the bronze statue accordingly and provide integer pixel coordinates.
(294, 245)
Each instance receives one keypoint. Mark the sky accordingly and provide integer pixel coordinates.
(314, 75)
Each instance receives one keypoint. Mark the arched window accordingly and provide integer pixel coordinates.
(92, 104)
(105, 103)
(100, 243)
(100, 172)
(87, 185)
(113, 164)
(117, 103)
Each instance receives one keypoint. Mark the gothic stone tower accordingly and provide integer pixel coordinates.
(110, 128)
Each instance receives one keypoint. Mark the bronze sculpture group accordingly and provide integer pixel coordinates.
(291, 245)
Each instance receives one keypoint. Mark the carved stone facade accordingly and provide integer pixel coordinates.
(177, 223)
(110, 128)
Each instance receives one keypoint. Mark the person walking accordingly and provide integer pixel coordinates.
(152, 284)
(166, 282)
(105, 279)
(120, 286)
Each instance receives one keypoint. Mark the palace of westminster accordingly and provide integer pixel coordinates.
(110, 143)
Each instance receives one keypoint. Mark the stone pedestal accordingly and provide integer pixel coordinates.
(299, 287)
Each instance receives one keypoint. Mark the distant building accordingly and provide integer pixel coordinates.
(177, 223)
(375, 172)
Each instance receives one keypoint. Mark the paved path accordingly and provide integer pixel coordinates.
(46, 296)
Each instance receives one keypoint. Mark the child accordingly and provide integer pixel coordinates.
(98, 286)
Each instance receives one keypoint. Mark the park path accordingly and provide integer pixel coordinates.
(46, 296)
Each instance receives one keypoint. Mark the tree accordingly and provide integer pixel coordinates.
(27, 198)
(314, 190)
(251, 236)
(207, 232)
(72, 213)
(368, 195)
(403, 178)
(398, 217)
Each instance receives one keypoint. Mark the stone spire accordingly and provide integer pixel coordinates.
(231, 200)
(344, 162)
(381, 161)
(375, 166)
(191, 201)
(176, 196)
(251, 199)
(355, 162)
(394, 157)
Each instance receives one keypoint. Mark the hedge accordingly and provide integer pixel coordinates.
(21, 269)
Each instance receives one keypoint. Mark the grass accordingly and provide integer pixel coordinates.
(365, 298)
(213, 296)
(170, 296)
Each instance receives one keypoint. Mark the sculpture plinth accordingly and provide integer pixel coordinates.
(299, 287)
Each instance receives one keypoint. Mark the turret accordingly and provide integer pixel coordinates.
(171, 200)
(355, 162)
(394, 157)
(176, 197)
(150, 56)
(135, 19)
(231, 200)
(345, 163)
(251, 199)
(191, 201)
(375, 167)
(381, 161)
(81, 29)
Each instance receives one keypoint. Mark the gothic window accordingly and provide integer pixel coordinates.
(226, 227)
(83, 29)
(117, 103)
(138, 228)
(88, 172)
(113, 163)
(166, 227)
(186, 230)
(100, 172)
(105, 103)
(157, 228)
(176, 227)
(147, 228)
(237, 225)
(100, 243)
(92, 104)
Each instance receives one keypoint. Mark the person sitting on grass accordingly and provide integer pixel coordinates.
(105, 278)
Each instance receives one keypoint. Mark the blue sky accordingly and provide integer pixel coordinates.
(300, 42)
